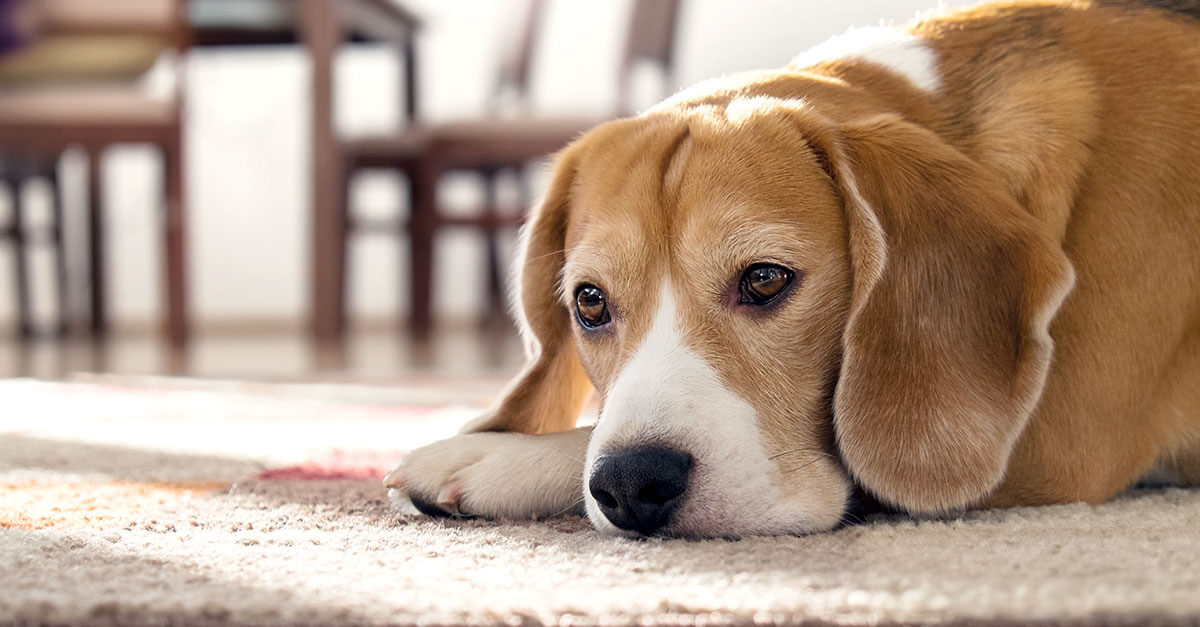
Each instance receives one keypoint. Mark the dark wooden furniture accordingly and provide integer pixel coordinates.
(425, 152)
(15, 172)
(41, 122)
(321, 26)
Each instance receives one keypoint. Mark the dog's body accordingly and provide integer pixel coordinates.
(987, 233)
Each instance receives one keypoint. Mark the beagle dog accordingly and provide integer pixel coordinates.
(950, 266)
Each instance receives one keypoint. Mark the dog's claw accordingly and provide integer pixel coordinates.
(449, 496)
(395, 479)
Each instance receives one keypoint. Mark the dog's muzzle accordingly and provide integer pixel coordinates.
(637, 489)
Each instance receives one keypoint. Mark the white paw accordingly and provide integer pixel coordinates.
(496, 475)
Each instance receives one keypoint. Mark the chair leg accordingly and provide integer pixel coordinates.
(525, 191)
(421, 228)
(330, 352)
(60, 249)
(341, 256)
(175, 246)
(95, 212)
(21, 257)
(491, 231)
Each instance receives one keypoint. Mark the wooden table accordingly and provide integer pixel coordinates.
(321, 26)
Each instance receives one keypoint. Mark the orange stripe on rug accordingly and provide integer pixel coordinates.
(41, 505)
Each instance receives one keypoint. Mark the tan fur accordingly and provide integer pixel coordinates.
(548, 396)
(928, 345)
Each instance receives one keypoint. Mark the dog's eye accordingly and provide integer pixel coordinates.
(591, 307)
(763, 282)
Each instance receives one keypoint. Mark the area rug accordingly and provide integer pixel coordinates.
(177, 502)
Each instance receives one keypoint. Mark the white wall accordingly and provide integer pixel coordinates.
(248, 141)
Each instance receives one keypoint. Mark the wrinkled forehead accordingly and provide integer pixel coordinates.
(620, 186)
(657, 192)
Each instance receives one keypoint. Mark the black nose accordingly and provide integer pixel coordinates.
(637, 489)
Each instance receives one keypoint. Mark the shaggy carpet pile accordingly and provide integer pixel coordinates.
(157, 502)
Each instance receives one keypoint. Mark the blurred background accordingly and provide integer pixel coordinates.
(316, 189)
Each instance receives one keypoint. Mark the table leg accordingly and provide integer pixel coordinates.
(321, 33)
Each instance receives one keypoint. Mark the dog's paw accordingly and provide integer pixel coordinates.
(496, 475)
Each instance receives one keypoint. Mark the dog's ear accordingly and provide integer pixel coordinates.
(549, 394)
(947, 344)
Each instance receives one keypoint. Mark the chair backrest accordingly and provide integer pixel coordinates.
(93, 42)
(649, 38)
(516, 53)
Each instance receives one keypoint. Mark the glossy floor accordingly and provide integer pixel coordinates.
(373, 356)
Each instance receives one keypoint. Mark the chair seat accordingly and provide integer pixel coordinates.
(470, 142)
(80, 58)
(75, 107)
(82, 16)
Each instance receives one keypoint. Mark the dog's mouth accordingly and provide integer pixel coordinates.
(696, 462)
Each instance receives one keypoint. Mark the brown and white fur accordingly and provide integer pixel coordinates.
(993, 217)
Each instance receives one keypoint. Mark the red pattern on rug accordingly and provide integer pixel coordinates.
(338, 464)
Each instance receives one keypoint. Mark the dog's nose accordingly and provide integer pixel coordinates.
(637, 489)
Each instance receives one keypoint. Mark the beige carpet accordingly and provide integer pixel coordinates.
(164, 502)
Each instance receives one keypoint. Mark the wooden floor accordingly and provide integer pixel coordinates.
(375, 356)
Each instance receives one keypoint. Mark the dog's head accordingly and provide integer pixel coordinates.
(772, 307)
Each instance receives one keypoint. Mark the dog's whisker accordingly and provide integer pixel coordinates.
(544, 255)
(576, 503)
(853, 518)
(803, 466)
(801, 450)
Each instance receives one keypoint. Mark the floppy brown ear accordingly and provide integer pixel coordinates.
(549, 394)
(947, 346)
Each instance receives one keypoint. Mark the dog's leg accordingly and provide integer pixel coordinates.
(496, 475)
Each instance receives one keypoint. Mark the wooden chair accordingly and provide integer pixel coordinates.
(488, 146)
(65, 103)
(15, 173)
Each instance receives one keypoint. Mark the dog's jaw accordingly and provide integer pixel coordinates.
(668, 394)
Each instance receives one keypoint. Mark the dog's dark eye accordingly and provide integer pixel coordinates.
(762, 282)
(591, 307)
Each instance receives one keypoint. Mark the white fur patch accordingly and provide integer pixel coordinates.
(497, 475)
(898, 51)
(669, 395)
